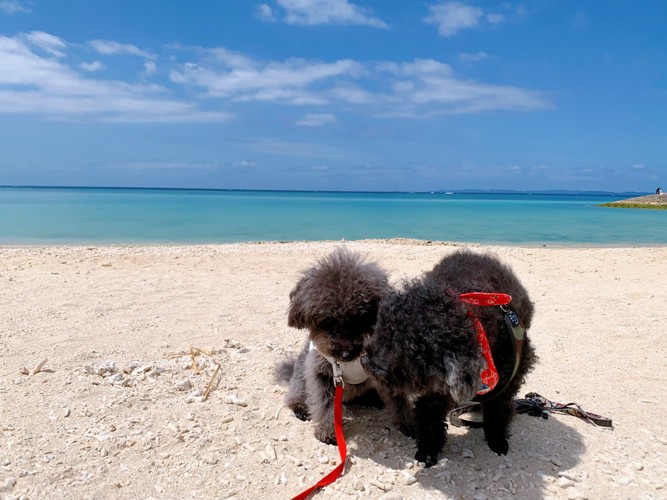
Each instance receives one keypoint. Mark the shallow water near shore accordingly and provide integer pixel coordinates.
(163, 216)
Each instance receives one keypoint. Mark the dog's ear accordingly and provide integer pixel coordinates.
(296, 316)
(463, 376)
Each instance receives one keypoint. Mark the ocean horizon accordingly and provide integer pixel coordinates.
(42, 215)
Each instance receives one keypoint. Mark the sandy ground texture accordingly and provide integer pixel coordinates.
(158, 378)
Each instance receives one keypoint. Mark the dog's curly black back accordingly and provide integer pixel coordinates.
(408, 352)
(466, 271)
(425, 347)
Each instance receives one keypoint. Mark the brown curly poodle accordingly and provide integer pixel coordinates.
(337, 302)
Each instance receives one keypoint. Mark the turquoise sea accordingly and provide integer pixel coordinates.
(150, 216)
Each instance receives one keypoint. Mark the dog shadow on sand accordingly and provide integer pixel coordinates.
(540, 449)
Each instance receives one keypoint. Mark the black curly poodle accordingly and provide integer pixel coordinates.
(425, 356)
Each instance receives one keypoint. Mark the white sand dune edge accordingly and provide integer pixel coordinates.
(112, 414)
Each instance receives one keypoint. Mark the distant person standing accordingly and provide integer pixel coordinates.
(658, 191)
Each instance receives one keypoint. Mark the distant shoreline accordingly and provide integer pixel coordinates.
(650, 202)
(448, 192)
(159, 249)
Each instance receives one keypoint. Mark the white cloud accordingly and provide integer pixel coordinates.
(473, 56)
(150, 68)
(316, 119)
(418, 67)
(312, 12)
(353, 94)
(231, 58)
(11, 7)
(265, 13)
(495, 18)
(285, 96)
(112, 48)
(244, 80)
(543, 168)
(46, 42)
(423, 87)
(37, 77)
(245, 164)
(638, 166)
(163, 165)
(297, 149)
(431, 88)
(32, 83)
(452, 17)
(92, 66)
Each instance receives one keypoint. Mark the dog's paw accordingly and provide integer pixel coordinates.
(301, 412)
(498, 444)
(326, 436)
(429, 459)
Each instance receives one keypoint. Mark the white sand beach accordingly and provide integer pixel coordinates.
(116, 413)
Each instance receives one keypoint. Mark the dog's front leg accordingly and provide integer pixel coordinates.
(296, 398)
(403, 415)
(496, 420)
(430, 411)
(321, 393)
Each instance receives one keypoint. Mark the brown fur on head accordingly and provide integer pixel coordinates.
(337, 301)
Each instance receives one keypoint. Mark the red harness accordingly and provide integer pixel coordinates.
(489, 375)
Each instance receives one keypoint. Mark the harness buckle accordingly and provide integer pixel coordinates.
(512, 318)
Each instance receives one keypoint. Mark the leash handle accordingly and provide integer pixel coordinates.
(342, 447)
(536, 402)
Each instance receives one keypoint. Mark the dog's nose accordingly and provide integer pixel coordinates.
(346, 355)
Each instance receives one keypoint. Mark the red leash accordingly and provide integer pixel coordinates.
(342, 447)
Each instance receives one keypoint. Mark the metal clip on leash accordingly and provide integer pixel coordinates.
(337, 374)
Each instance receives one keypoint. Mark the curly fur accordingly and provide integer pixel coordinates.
(336, 301)
(424, 349)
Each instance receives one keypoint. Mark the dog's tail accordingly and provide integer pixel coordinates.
(284, 370)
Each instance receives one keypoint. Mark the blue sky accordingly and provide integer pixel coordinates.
(334, 94)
